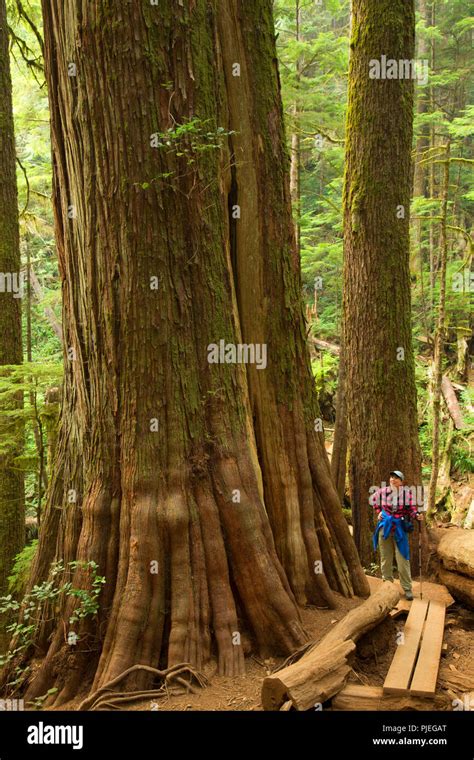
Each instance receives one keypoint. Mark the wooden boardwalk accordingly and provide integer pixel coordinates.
(414, 668)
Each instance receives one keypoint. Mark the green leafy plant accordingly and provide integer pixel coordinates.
(41, 603)
(21, 568)
(37, 702)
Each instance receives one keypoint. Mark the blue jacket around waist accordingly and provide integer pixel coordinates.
(386, 523)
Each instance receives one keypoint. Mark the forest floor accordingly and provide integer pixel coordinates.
(375, 652)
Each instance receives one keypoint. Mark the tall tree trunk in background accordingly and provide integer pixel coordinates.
(440, 333)
(422, 143)
(380, 373)
(42, 479)
(212, 470)
(432, 165)
(339, 449)
(295, 158)
(295, 177)
(12, 507)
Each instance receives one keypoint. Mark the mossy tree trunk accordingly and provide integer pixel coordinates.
(422, 144)
(12, 509)
(339, 449)
(295, 165)
(215, 472)
(379, 369)
(437, 376)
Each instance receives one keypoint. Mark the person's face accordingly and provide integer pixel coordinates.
(395, 482)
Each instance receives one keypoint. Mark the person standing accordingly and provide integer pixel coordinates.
(396, 510)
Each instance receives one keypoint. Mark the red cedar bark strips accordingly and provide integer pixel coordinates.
(127, 212)
(379, 362)
(12, 507)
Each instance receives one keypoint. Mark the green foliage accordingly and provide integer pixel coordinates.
(191, 137)
(21, 569)
(42, 602)
(38, 702)
(462, 459)
(34, 173)
(325, 371)
(32, 380)
(314, 88)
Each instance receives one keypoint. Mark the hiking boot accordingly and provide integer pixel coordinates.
(409, 595)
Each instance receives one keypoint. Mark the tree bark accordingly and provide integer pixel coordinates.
(311, 680)
(12, 508)
(232, 495)
(380, 375)
(295, 158)
(339, 449)
(422, 143)
(432, 172)
(439, 335)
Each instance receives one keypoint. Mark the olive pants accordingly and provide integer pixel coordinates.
(387, 548)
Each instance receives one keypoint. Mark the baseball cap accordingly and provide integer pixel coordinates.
(398, 474)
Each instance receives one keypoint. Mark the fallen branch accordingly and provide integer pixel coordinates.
(452, 402)
(332, 347)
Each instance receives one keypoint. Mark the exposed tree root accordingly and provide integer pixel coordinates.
(106, 697)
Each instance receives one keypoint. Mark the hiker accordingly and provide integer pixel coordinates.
(396, 511)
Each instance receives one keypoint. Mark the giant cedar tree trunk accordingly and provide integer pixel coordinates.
(380, 378)
(127, 212)
(12, 511)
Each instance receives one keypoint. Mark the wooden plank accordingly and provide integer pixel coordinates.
(426, 671)
(357, 697)
(400, 671)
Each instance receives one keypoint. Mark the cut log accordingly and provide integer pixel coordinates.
(461, 587)
(365, 617)
(426, 671)
(322, 670)
(401, 670)
(310, 681)
(456, 549)
(357, 697)
(452, 402)
(431, 591)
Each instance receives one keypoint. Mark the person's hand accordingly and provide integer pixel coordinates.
(379, 516)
